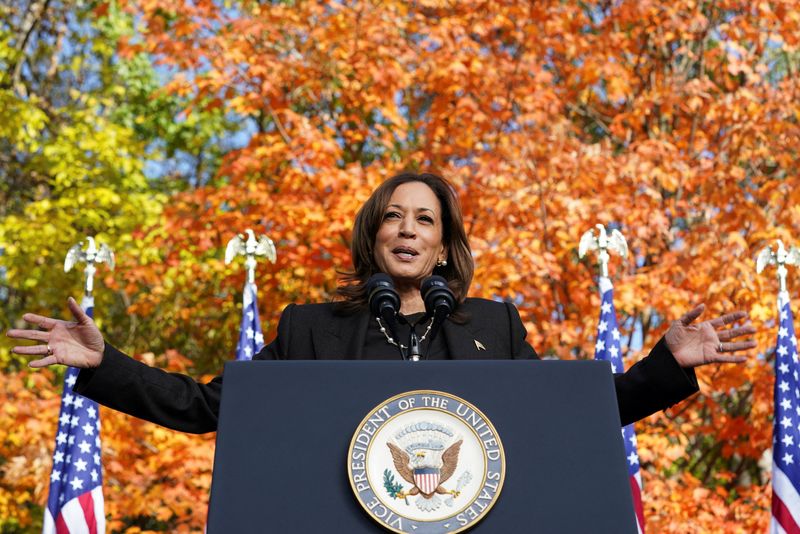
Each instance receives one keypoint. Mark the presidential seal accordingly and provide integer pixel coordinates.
(426, 462)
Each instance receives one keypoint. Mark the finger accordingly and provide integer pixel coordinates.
(738, 345)
(40, 320)
(728, 318)
(729, 359)
(33, 335)
(726, 335)
(78, 312)
(30, 349)
(689, 317)
(43, 362)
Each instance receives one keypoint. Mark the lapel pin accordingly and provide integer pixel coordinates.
(479, 345)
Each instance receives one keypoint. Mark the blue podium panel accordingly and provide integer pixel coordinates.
(285, 428)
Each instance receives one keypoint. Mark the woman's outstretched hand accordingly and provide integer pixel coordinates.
(76, 343)
(708, 341)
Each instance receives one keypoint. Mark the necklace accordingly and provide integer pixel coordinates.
(393, 342)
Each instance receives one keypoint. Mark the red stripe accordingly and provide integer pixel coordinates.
(782, 516)
(61, 525)
(637, 501)
(427, 482)
(87, 503)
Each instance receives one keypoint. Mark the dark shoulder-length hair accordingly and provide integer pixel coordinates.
(459, 269)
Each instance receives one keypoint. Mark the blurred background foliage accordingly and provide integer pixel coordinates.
(164, 128)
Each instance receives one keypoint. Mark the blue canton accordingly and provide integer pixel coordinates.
(251, 339)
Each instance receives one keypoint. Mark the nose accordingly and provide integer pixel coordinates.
(406, 228)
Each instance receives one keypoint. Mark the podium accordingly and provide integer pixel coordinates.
(281, 462)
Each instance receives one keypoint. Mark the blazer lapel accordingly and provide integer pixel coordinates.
(464, 341)
(343, 338)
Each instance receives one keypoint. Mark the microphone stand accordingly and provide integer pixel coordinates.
(414, 353)
(413, 345)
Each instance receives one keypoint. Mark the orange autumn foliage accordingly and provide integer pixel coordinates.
(675, 121)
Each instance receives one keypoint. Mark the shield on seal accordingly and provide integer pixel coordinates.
(426, 479)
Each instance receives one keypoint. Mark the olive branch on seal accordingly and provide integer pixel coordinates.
(389, 483)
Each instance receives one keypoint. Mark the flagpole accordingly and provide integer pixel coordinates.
(607, 345)
(251, 338)
(785, 514)
(75, 498)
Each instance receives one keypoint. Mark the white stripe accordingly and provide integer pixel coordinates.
(784, 489)
(99, 510)
(638, 478)
(74, 518)
(775, 527)
(49, 526)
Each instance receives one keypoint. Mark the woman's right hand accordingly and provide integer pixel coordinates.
(75, 343)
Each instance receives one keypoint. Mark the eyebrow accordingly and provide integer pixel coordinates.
(398, 206)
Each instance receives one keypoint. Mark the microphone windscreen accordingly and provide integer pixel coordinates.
(432, 282)
(378, 280)
(435, 293)
(381, 294)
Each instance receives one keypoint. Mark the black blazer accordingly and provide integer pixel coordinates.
(493, 330)
(314, 331)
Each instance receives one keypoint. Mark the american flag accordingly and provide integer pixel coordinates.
(75, 502)
(607, 348)
(786, 429)
(251, 339)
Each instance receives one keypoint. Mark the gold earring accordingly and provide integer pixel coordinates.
(441, 263)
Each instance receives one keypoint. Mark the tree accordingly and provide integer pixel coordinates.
(673, 121)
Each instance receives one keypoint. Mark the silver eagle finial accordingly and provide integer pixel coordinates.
(250, 248)
(91, 255)
(603, 242)
(780, 257)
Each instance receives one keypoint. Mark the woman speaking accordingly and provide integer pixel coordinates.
(410, 229)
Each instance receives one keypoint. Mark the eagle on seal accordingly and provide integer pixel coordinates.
(426, 470)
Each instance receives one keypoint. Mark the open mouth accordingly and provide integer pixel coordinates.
(405, 253)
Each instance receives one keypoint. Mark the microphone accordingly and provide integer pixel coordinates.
(439, 299)
(384, 302)
(439, 303)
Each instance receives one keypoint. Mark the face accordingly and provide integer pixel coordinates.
(409, 240)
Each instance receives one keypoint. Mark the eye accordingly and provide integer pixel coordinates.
(391, 215)
(426, 219)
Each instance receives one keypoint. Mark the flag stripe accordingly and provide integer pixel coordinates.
(49, 524)
(785, 501)
(427, 482)
(99, 509)
(87, 506)
(775, 527)
(783, 517)
(636, 491)
(72, 519)
(61, 525)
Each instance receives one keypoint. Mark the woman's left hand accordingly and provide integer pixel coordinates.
(709, 341)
